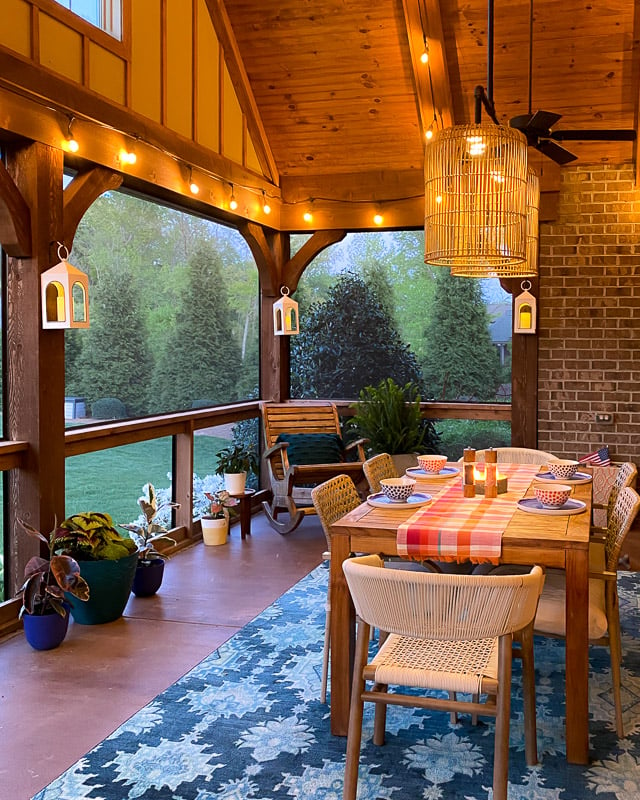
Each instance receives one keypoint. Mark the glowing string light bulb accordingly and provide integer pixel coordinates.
(265, 205)
(70, 142)
(424, 58)
(233, 203)
(193, 186)
(378, 218)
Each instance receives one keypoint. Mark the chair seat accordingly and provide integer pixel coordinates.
(551, 614)
(450, 666)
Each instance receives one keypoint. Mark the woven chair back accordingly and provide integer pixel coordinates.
(620, 521)
(427, 605)
(519, 455)
(625, 476)
(333, 499)
(377, 468)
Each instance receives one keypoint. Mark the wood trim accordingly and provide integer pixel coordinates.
(194, 69)
(15, 218)
(226, 37)
(35, 33)
(488, 411)
(12, 455)
(83, 190)
(269, 271)
(293, 269)
(163, 62)
(86, 68)
(183, 476)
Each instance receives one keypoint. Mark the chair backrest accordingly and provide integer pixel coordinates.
(333, 499)
(519, 455)
(428, 605)
(378, 467)
(312, 417)
(625, 476)
(620, 521)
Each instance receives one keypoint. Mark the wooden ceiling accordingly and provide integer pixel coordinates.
(344, 99)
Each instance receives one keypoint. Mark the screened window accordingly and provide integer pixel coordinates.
(104, 14)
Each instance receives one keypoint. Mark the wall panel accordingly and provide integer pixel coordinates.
(232, 121)
(179, 67)
(146, 73)
(106, 73)
(207, 82)
(15, 30)
(60, 48)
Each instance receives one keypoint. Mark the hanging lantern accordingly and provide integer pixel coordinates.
(475, 200)
(285, 315)
(524, 310)
(65, 295)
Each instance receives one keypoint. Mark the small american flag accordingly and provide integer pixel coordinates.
(598, 459)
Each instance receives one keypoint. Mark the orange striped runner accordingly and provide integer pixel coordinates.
(457, 528)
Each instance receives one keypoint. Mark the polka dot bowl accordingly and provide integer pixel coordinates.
(431, 463)
(552, 496)
(563, 468)
(398, 489)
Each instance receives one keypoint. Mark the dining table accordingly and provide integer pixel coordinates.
(550, 540)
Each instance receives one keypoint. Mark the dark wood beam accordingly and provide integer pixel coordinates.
(320, 240)
(83, 190)
(261, 246)
(15, 218)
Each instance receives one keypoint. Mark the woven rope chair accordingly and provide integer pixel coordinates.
(376, 469)
(452, 633)
(332, 499)
(625, 476)
(518, 455)
(604, 617)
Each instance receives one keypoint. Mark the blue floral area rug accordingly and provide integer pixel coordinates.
(246, 724)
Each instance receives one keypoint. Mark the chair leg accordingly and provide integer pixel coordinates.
(529, 696)
(615, 653)
(325, 653)
(503, 713)
(354, 733)
(380, 718)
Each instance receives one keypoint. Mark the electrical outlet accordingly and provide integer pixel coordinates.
(604, 418)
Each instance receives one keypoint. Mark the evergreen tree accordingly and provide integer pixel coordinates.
(348, 341)
(201, 361)
(461, 362)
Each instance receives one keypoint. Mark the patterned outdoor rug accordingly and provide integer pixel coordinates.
(246, 723)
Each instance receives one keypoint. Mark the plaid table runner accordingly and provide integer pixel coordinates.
(457, 528)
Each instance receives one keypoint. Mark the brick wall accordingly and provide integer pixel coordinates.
(589, 315)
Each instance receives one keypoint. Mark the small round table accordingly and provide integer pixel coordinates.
(245, 511)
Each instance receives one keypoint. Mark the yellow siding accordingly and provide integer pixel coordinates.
(232, 123)
(60, 48)
(208, 82)
(179, 67)
(146, 74)
(252, 158)
(106, 73)
(15, 30)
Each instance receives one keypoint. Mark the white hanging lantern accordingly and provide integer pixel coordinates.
(65, 295)
(285, 315)
(524, 310)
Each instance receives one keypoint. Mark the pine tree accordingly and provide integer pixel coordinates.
(461, 362)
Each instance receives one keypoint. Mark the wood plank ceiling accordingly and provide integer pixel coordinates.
(344, 99)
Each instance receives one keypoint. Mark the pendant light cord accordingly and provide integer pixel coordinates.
(485, 97)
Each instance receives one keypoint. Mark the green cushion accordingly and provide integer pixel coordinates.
(313, 448)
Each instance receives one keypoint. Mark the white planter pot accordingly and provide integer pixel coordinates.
(234, 482)
(214, 531)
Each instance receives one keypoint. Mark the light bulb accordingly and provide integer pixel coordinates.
(233, 203)
(429, 134)
(193, 186)
(378, 219)
(72, 145)
(128, 157)
(424, 57)
(307, 216)
(266, 208)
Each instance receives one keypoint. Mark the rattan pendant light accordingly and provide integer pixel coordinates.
(476, 193)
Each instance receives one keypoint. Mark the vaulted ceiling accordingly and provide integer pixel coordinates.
(344, 99)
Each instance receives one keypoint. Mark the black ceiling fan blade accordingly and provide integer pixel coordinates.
(543, 120)
(555, 152)
(614, 135)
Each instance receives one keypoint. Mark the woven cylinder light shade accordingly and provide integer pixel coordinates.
(475, 200)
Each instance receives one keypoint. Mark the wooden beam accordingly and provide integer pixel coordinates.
(320, 240)
(269, 271)
(83, 190)
(15, 218)
(238, 73)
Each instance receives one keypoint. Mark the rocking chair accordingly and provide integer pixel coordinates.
(303, 447)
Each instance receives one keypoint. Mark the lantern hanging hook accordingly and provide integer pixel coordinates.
(61, 247)
(284, 291)
(525, 285)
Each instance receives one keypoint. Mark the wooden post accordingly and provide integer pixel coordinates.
(35, 357)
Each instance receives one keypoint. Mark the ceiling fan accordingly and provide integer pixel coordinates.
(537, 126)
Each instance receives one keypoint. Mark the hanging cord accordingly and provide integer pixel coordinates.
(530, 52)
(485, 97)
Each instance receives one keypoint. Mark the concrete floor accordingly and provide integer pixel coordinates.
(58, 704)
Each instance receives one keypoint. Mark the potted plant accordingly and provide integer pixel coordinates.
(388, 415)
(108, 562)
(44, 612)
(147, 534)
(215, 524)
(233, 463)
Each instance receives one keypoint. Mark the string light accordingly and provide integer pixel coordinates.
(127, 156)
(233, 203)
(265, 205)
(70, 143)
(193, 186)
(307, 216)
(378, 219)
(425, 53)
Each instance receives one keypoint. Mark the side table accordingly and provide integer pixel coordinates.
(245, 511)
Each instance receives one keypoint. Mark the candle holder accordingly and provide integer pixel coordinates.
(501, 483)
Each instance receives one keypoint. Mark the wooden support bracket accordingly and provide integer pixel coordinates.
(15, 218)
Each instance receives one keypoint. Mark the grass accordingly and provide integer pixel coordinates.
(456, 434)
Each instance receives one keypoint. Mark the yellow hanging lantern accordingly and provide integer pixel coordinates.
(285, 315)
(65, 294)
(524, 310)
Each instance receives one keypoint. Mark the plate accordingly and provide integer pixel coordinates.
(533, 506)
(578, 477)
(421, 474)
(380, 500)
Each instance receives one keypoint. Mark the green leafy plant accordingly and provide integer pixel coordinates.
(389, 416)
(149, 532)
(47, 579)
(221, 502)
(91, 536)
(237, 458)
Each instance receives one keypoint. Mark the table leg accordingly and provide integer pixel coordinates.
(342, 636)
(577, 655)
(245, 516)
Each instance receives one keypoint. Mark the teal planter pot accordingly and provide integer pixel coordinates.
(109, 585)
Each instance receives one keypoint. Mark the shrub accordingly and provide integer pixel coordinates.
(108, 408)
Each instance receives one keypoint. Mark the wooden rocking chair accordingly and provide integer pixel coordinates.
(304, 432)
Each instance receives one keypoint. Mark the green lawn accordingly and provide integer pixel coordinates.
(112, 480)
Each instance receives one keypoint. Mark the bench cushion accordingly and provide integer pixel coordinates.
(313, 448)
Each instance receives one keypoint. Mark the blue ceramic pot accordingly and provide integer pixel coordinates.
(45, 631)
(109, 589)
(148, 578)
